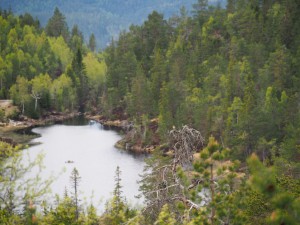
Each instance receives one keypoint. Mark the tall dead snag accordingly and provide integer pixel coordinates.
(165, 174)
(206, 185)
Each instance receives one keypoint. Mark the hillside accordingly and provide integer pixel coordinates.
(213, 95)
(102, 17)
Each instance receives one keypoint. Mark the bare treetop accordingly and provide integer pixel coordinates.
(185, 142)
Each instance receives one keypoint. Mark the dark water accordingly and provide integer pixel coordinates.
(91, 150)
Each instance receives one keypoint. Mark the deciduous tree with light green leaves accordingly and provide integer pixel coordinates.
(40, 91)
(63, 94)
(20, 92)
(16, 187)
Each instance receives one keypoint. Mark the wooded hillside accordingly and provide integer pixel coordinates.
(218, 90)
(106, 19)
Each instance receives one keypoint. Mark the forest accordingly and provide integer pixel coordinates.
(102, 17)
(215, 91)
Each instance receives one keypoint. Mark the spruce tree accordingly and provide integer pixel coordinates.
(57, 26)
(117, 210)
(92, 42)
(75, 180)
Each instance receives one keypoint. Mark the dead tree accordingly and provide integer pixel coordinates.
(185, 143)
(36, 97)
(167, 185)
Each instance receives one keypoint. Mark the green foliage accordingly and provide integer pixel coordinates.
(75, 180)
(114, 17)
(280, 196)
(92, 218)
(212, 70)
(63, 93)
(41, 87)
(63, 213)
(117, 210)
(165, 217)
(35, 69)
(57, 25)
(220, 182)
(139, 100)
(92, 43)
(232, 73)
(17, 188)
(95, 71)
(61, 50)
(30, 214)
(79, 78)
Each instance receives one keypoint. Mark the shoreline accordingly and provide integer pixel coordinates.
(128, 142)
(11, 132)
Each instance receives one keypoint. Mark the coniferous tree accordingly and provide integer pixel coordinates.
(118, 189)
(117, 210)
(76, 39)
(200, 11)
(280, 196)
(92, 217)
(165, 217)
(219, 180)
(57, 26)
(75, 180)
(92, 43)
(79, 77)
(63, 213)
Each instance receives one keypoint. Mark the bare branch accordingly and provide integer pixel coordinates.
(168, 185)
(185, 142)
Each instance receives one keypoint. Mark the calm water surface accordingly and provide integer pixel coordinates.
(92, 150)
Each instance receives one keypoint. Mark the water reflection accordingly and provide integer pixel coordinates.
(90, 148)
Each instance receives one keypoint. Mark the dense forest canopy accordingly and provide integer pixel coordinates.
(106, 19)
(216, 92)
(232, 73)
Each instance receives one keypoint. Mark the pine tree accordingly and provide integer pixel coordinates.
(217, 181)
(279, 195)
(165, 217)
(92, 218)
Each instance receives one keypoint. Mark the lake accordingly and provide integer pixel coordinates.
(90, 148)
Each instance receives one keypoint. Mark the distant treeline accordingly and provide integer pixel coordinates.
(106, 19)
